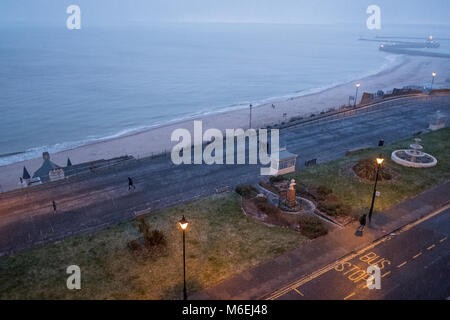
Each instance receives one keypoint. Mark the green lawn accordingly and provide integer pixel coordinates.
(220, 242)
(409, 181)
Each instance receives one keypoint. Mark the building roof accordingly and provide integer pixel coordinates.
(44, 170)
(284, 154)
(25, 174)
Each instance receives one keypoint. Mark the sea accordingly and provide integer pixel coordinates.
(62, 88)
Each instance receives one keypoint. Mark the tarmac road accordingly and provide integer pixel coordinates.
(415, 264)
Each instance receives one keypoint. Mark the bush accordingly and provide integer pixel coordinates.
(155, 238)
(334, 207)
(367, 169)
(319, 193)
(247, 191)
(275, 179)
(264, 206)
(312, 227)
(324, 191)
(152, 238)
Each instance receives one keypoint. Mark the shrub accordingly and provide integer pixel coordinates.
(312, 227)
(144, 228)
(367, 169)
(152, 238)
(275, 179)
(319, 193)
(264, 206)
(247, 191)
(135, 246)
(155, 238)
(333, 206)
(324, 191)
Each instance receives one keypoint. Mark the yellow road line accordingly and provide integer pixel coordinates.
(443, 239)
(282, 291)
(409, 226)
(431, 247)
(417, 255)
(401, 265)
(384, 275)
(349, 296)
(319, 272)
(296, 290)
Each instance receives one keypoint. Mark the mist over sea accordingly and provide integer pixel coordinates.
(63, 88)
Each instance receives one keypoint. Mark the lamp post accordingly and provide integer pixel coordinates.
(356, 94)
(379, 162)
(183, 225)
(432, 81)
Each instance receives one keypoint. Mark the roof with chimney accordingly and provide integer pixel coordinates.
(46, 167)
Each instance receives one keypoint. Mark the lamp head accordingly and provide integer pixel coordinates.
(380, 159)
(434, 74)
(358, 84)
(183, 223)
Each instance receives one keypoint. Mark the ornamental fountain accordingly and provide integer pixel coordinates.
(414, 157)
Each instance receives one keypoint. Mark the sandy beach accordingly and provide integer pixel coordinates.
(412, 71)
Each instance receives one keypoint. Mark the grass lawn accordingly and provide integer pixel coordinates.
(408, 182)
(220, 242)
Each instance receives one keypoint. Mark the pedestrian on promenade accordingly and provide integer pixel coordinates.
(130, 184)
(362, 222)
(54, 206)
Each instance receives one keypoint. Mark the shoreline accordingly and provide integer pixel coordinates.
(388, 66)
(154, 140)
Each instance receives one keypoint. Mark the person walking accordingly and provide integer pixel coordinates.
(54, 206)
(130, 184)
(362, 222)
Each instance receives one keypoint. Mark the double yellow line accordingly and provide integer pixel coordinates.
(292, 286)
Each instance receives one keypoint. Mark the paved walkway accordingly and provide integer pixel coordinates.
(263, 280)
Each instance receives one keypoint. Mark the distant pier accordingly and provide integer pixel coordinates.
(404, 47)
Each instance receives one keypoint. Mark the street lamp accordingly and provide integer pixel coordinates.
(432, 81)
(183, 225)
(356, 95)
(379, 162)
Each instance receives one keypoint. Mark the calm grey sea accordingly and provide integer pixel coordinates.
(62, 88)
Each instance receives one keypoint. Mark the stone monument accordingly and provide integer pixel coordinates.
(290, 195)
(437, 121)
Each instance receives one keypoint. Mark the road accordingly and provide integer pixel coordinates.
(415, 264)
(101, 199)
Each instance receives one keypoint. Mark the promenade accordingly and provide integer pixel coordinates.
(92, 202)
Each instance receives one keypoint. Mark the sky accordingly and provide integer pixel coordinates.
(123, 12)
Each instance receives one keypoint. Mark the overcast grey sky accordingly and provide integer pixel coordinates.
(120, 12)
